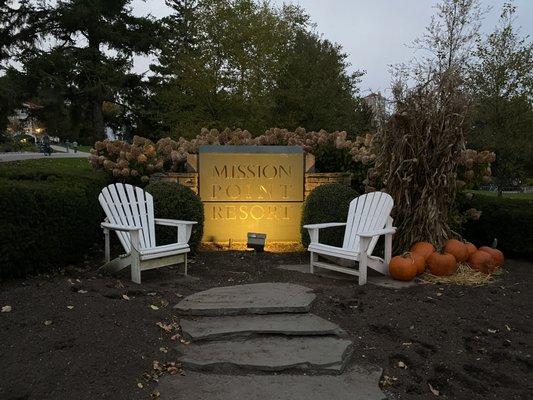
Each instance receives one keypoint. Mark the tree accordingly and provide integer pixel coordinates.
(245, 64)
(502, 87)
(76, 53)
(314, 90)
(218, 64)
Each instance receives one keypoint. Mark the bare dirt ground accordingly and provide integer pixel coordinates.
(80, 335)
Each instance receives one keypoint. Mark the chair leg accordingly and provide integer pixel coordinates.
(312, 260)
(135, 269)
(388, 252)
(185, 264)
(107, 251)
(362, 269)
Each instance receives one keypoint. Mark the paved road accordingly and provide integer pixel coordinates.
(59, 152)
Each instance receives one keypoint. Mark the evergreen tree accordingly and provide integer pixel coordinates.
(76, 54)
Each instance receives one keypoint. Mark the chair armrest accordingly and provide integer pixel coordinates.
(379, 232)
(315, 228)
(173, 222)
(125, 228)
(184, 228)
(324, 225)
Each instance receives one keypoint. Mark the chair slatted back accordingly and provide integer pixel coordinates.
(129, 205)
(367, 213)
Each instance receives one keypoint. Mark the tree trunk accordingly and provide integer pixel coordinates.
(96, 97)
(97, 116)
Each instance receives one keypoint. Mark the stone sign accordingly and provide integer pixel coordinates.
(251, 189)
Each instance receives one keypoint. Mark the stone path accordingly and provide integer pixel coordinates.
(356, 384)
(283, 324)
(259, 298)
(244, 332)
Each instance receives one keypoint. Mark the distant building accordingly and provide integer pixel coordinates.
(22, 122)
(378, 106)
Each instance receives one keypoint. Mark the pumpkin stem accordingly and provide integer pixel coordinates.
(410, 255)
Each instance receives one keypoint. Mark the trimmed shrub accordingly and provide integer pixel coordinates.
(508, 220)
(48, 219)
(327, 203)
(175, 201)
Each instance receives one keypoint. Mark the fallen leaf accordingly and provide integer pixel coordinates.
(163, 350)
(47, 322)
(82, 291)
(70, 307)
(125, 297)
(401, 364)
(140, 385)
(153, 307)
(151, 294)
(439, 294)
(434, 391)
(508, 328)
(492, 330)
(156, 393)
(179, 295)
(6, 309)
(164, 303)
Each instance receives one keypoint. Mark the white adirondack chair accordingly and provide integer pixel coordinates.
(130, 212)
(368, 219)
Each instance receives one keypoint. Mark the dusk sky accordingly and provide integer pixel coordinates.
(373, 33)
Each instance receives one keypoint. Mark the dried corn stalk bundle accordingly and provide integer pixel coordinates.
(418, 155)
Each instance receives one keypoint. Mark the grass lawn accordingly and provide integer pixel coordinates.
(86, 149)
(528, 196)
(62, 166)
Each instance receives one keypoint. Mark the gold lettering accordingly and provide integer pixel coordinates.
(257, 216)
(271, 213)
(243, 213)
(236, 192)
(286, 171)
(230, 213)
(273, 174)
(223, 173)
(217, 212)
(216, 189)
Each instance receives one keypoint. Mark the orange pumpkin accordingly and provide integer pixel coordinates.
(442, 264)
(404, 267)
(470, 248)
(496, 255)
(457, 249)
(420, 262)
(482, 261)
(425, 249)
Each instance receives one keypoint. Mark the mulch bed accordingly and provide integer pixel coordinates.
(79, 335)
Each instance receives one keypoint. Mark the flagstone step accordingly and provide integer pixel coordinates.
(275, 353)
(212, 328)
(358, 383)
(257, 298)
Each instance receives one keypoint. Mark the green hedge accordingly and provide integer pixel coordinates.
(175, 201)
(49, 216)
(508, 220)
(327, 203)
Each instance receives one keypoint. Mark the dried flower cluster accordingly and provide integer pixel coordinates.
(474, 168)
(137, 161)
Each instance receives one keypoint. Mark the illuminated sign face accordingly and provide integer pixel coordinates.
(251, 189)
